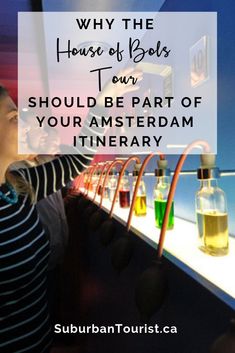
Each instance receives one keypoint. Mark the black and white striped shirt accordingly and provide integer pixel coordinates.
(24, 253)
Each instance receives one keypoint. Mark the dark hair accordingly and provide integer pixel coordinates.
(3, 91)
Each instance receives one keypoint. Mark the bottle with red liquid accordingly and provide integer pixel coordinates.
(124, 191)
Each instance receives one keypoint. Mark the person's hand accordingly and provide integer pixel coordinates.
(119, 89)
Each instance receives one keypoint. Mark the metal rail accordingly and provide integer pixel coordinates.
(223, 173)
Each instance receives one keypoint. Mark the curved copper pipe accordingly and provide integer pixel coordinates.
(90, 175)
(100, 178)
(171, 194)
(125, 165)
(141, 172)
(86, 184)
(84, 192)
(117, 161)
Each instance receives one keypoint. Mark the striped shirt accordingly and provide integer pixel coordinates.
(24, 252)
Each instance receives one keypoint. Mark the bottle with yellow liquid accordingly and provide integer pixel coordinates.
(161, 192)
(211, 210)
(140, 208)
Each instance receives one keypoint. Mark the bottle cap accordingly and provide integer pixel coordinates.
(161, 172)
(208, 173)
(207, 160)
(113, 171)
(208, 170)
(136, 170)
(162, 163)
(162, 169)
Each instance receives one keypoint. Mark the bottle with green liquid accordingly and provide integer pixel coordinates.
(211, 210)
(161, 192)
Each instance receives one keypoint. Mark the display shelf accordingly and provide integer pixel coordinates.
(181, 248)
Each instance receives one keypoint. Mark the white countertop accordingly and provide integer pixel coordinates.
(181, 247)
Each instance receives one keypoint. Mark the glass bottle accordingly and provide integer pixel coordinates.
(94, 180)
(112, 184)
(100, 184)
(100, 190)
(140, 208)
(106, 192)
(211, 214)
(124, 191)
(161, 192)
(86, 180)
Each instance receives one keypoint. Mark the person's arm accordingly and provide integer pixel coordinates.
(52, 176)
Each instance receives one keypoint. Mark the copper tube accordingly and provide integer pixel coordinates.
(90, 175)
(100, 178)
(171, 194)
